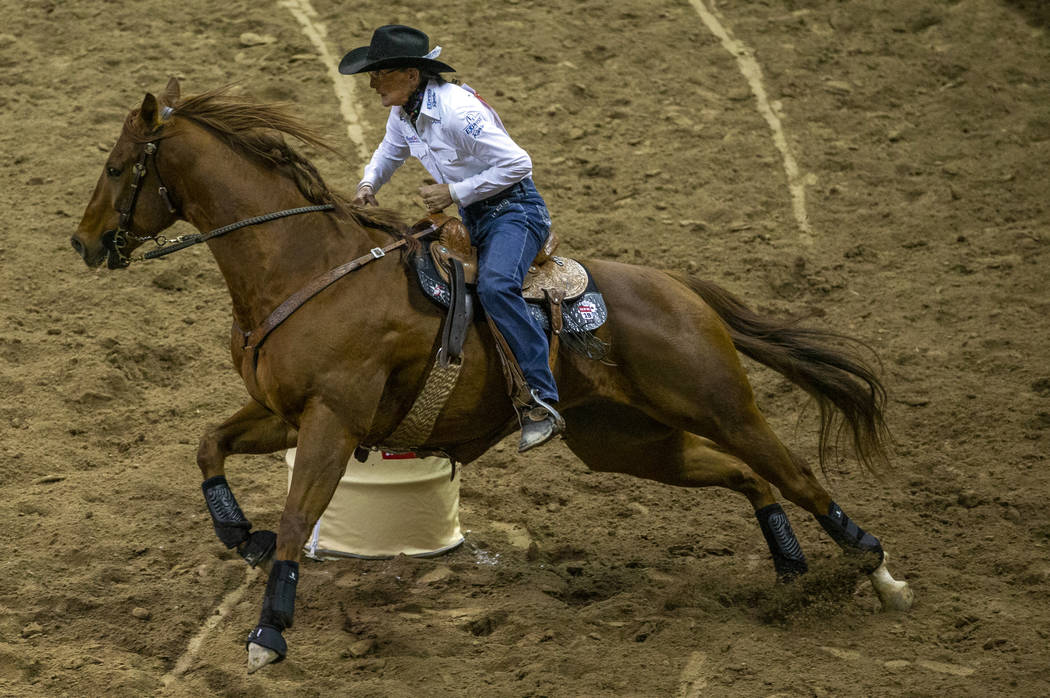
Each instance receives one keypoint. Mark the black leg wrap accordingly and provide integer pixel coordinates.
(269, 637)
(258, 548)
(231, 526)
(853, 539)
(788, 558)
(279, 601)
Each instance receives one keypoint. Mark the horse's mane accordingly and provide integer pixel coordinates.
(257, 130)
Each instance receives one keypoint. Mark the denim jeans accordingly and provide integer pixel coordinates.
(508, 229)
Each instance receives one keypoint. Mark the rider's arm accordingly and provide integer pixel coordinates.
(392, 151)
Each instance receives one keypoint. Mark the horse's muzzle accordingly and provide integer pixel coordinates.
(79, 247)
(92, 258)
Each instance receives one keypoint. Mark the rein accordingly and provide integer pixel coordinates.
(120, 237)
(254, 339)
(181, 242)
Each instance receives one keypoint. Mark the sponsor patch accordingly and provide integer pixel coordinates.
(432, 99)
(587, 310)
(474, 125)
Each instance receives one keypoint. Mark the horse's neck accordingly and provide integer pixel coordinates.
(263, 264)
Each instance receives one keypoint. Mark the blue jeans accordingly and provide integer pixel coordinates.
(509, 228)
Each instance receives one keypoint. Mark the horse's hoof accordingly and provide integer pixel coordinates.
(259, 656)
(894, 595)
(265, 646)
(258, 548)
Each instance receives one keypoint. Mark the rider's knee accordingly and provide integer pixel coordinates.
(494, 287)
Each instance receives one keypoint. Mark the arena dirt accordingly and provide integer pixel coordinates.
(922, 133)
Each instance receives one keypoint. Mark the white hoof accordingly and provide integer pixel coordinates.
(894, 595)
(259, 656)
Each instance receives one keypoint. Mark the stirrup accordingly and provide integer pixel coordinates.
(536, 428)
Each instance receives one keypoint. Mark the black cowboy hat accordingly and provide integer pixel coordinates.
(393, 46)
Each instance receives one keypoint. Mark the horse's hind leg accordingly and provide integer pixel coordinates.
(253, 429)
(616, 438)
(754, 442)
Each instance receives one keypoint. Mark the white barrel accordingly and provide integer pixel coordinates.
(389, 505)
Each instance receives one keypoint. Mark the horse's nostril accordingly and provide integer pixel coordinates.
(77, 245)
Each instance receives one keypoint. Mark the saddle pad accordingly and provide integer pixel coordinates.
(579, 316)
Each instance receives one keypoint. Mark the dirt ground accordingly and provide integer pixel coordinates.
(921, 133)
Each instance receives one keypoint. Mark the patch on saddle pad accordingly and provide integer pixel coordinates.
(580, 316)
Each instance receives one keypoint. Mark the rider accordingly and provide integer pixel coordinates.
(462, 143)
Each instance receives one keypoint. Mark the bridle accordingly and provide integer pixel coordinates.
(117, 240)
(253, 339)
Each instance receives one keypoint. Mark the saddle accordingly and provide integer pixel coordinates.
(547, 274)
(550, 281)
(560, 294)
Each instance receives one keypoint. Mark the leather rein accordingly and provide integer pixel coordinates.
(254, 339)
(118, 238)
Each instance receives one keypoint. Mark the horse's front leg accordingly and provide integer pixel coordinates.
(253, 429)
(324, 447)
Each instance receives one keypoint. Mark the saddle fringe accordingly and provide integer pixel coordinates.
(588, 345)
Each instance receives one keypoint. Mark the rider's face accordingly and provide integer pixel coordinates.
(394, 86)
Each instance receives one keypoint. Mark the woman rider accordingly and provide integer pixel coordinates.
(462, 143)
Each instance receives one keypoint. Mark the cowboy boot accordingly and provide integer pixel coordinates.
(540, 423)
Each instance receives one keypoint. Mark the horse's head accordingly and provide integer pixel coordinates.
(130, 204)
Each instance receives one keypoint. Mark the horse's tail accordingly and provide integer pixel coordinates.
(846, 388)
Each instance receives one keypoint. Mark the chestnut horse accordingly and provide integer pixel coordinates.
(671, 402)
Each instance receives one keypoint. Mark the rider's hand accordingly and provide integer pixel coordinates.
(365, 196)
(436, 197)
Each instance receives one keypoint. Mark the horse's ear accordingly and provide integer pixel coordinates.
(171, 93)
(148, 112)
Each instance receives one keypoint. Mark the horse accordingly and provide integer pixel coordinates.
(341, 365)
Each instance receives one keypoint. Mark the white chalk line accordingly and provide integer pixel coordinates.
(316, 31)
(693, 679)
(193, 647)
(752, 72)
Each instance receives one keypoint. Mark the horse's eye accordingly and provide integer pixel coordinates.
(113, 171)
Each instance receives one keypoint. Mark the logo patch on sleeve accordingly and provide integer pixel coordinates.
(475, 125)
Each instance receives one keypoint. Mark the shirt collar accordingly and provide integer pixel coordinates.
(431, 104)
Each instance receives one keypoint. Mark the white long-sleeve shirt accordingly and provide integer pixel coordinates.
(460, 141)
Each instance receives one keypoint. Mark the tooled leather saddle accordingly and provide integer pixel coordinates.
(561, 296)
(560, 292)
